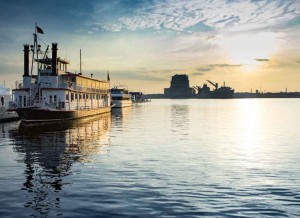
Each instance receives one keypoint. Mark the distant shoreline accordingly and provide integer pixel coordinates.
(236, 95)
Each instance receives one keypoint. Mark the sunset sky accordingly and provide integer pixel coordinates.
(247, 43)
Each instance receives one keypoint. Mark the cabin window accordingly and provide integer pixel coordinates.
(80, 97)
(24, 98)
(20, 100)
(2, 100)
(83, 96)
(76, 95)
(87, 96)
(50, 98)
(67, 96)
(72, 96)
(55, 99)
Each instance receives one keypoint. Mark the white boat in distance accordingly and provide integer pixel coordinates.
(54, 93)
(5, 98)
(120, 97)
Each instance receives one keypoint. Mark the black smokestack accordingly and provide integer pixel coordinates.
(54, 59)
(26, 60)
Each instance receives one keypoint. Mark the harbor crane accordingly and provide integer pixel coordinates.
(214, 84)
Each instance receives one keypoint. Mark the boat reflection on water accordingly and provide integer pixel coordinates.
(120, 116)
(6, 128)
(50, 150)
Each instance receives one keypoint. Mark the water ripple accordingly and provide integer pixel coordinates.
(168, 158)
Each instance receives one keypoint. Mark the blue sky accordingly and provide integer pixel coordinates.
(249, 44)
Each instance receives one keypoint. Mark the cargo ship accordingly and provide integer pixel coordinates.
(53, 93)
(218, 92)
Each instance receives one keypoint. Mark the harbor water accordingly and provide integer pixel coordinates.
(165, 158)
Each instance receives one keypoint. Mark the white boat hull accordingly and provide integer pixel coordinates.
(121, 103)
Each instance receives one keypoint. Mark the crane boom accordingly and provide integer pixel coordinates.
(214, 84)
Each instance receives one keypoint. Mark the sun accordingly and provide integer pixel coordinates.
(244, 49)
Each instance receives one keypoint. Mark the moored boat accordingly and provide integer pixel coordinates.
(54, 93)
(138, 97)
(120, 97)
(5, 98)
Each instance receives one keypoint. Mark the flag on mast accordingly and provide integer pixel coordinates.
(39, 30)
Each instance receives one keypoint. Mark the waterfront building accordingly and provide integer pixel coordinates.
(179, 88)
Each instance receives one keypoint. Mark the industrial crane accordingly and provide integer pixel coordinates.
(214, 84)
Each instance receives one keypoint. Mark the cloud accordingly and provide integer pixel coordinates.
(198, 74)
(224, 65)
(261, 59)
(207, 68)
(204, 69)
(180, 15)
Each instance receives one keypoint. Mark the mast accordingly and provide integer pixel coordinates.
(33, 49)
(37, 53)
(80, 62)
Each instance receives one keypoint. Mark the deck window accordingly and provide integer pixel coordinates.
(72, 96)
(67, 96)
(50, 99)
(24, 98)
(20, 100)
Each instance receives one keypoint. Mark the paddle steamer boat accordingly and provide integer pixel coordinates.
(54, 93)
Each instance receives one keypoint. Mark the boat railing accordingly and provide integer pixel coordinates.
(52, 105)
(89, 107)
(83, 107)
(79, 88)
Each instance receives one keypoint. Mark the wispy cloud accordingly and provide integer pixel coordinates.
(204, 69)
(207, 68)
(181, 15)
(198, 74)
(262, 59)
(224, 65)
